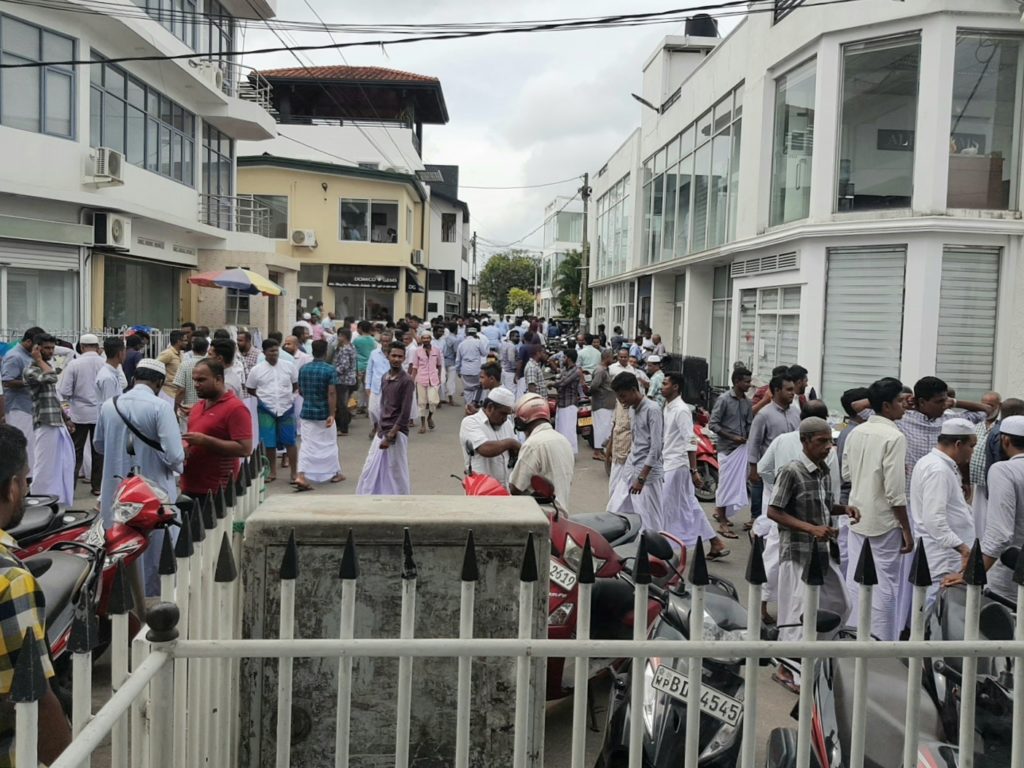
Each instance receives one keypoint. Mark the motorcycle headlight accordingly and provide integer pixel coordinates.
(573, 554)
(712, 631)
(561, 615)
(126, 510)
(650, 694)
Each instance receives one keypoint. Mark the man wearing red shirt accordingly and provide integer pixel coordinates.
(219, 432)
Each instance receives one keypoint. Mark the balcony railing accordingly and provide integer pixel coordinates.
(241, 82)
(235, 214)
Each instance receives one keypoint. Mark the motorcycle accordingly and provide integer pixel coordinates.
(45, 523)
(707, 456)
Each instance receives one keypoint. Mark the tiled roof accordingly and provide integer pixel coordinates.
(354, 74)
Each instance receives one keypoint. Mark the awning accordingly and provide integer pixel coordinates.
(351, 276)
(412, 285)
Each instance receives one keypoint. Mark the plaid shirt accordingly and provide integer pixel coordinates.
(183, 380)
(345, 363)
(923, 433)
(978, 459)
(804, 490)
(534, 374)
(569, 388)
(315, 381)
(46, 410)
(21, 611)
(249, 360)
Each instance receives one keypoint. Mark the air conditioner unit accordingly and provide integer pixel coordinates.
(108, 167)
(417, 258)
(112, 231)
(211, 73)
(304, 237)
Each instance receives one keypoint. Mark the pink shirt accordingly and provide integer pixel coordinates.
(428, 367)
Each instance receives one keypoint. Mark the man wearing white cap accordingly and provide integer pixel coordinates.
(426, 372)
(78, 389)
(491, 435)
(470, 356)
(942, 517)
(657, 379)
(1004, 527)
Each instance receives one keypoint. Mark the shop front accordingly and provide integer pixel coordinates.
(364, 291)
(137, 292)
(39, 285)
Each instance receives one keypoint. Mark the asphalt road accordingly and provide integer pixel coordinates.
(433, 459)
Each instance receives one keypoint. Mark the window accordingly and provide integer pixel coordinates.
(967, 320)
(373, 221)
(218, 178)
(793, 145)
(217, 33)
(152, 131)
(370, 166)
(769, 328)
(448, 227)
(864, 322)
(140, 291)
(570, 226)
(236, 305)
(176, 16)
(35, 293)
(621, 305)
(614, 210)
(277, 205)
(41, 100)
(679, 319)
(983, 146)
(721, 325)
(879, 117)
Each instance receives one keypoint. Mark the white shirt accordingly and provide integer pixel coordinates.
(302, 359)
(547, 454)
(787, 448)
(274, 385)
(233, 380)
(78, 387)
(110, 382)
(477, 430)
(941, 516)
(679, 439)
(874, 462)
(616, 368)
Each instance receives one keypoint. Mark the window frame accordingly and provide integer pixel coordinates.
(803, 72)
(453, 230)
(44, 73)
(369, 202)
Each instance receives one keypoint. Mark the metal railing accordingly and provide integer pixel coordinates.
(158, 337)
(235, 213)
(179, 704)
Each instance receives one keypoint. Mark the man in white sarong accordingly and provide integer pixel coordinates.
(730, 421)
(874, 461)
(17, 395)
(684, 516)
(646, 474)
(318, 448)
(411, 349)
(602, 404)
(386, 470)
(54, 463)
(508, 357)
(616, 453)
(376, 369)
(568, 386)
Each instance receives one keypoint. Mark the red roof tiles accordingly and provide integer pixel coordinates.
(352, 74)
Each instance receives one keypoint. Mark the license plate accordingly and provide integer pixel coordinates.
(562, 576)
(585, 421)
(712, 702)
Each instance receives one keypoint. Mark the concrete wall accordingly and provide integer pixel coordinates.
(438, 526)
(343, 144)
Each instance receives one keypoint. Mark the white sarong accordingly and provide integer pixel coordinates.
(451, 383)
(619, 499)
(318, 451)
(565, 424)
(979, 505)
(54, 464)
(768, 530)
(885, 597)
(373, 407)
(385, 472)
(832, 597)
(648, 503)
(683, 515)
(520, 389)
(603, 419)
(732, 481)
(508, 380)
(23, 422)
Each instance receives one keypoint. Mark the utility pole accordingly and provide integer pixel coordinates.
(476, 275)
(585, 258)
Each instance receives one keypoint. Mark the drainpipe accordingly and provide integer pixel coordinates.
(84, 278)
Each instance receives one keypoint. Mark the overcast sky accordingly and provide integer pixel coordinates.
(524, 109)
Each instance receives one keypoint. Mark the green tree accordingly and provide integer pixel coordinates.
(520, 300)
(503, 272)
(566, 283)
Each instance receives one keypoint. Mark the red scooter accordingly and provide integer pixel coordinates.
(707, 456)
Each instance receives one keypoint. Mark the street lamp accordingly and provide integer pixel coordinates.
(646, 103)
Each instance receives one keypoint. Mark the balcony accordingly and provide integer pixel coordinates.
(234, 214)
(248, 113)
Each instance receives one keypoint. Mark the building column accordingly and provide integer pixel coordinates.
(663, 290)
(700, 284)
(97, 270)
(922, 284)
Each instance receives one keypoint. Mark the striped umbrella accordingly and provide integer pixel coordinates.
(241, 280)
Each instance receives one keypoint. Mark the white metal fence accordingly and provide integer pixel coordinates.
(178, 706)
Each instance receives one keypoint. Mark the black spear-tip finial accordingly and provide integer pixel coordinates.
(225, 571)
(29, 683)
(120, 594)
(528, 570)
(349, 559)
(408, 564)
(196, 520)
(240, 482)
(586, 574)
(814, 571)
(85, 625)
(162, 619)
(470, 569)
(290, 562)
(230, 494)
(756, 573)
(865, 573)
(167, 566)
(213, 510)
(220, 500)
(920, 575)
(185, 505)
(642, 567)
(974, 573)
(183, 546)
(699, 566)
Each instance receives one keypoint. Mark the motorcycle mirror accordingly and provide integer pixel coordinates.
(996, 622)
(658, 545)
(469, 449)
(828, 622)
(1010, 557)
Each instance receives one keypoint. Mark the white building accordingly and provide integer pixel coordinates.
(449, 270)
(118, 178)
(837, 187)
(563, 232)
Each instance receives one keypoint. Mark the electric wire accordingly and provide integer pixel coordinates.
(524, 186)
(537, 229)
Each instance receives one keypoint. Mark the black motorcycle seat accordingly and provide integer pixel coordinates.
(609, 525)
(612, 602)
(36, 520)
(60, 575)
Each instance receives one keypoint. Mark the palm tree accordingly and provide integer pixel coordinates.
(566, 284)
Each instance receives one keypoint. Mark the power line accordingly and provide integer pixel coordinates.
(534, 231)
(525, 186)
(623, 20)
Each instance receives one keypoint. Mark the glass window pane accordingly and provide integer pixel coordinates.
(982, 137)
(685, 194)
(188, 150)
(136, 149)
(354, 214)
(791, 298)
(20, 39)
(701, 181)
(723, 113)
(165, 110)
(769, 298)
(176, 156)
(177, 117)
(657, 207)
(152, 146)
(669, 229)
(153, 103)
(879, 117)
(277, 208)
(113, 79)
(113, 122)
(686, 141)
(19, 95)
(793, 145)
(96, 74)
(704, 128)
(58, 102)
(136, 93)
(57, 48)
(165, 151)
(95, 115)
(733, 193)
(384, 222)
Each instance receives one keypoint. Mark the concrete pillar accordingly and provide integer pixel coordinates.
(438, 526)
(921, 308)
(663, 305)
(700, 283)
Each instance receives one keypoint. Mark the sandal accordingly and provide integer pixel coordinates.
(302, 488)
(789, 685)
(717, 555)
(748, 525)
(725, 533)
(338, 479)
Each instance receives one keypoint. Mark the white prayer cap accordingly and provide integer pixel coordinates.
(472, 330)
(654, 359)
(502, 396)
(957, 428)
(89, 340)
(1012, 425)
(306, 316)
(153, 365)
